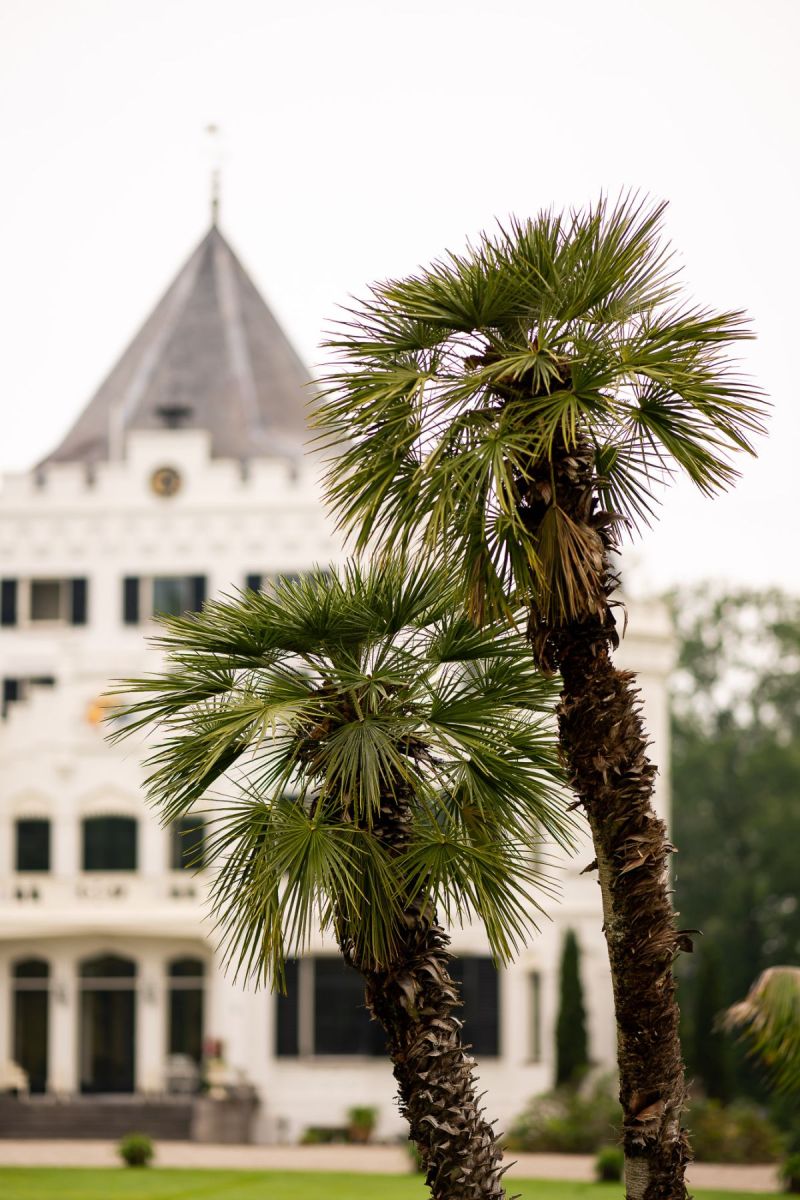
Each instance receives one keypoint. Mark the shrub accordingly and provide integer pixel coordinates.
(136, 1150)
(738, 1133)
(609, 1164)
(567, 1121)
(790, 1173)
(323, 1135)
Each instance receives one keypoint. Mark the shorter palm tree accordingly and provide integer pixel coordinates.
(384, 759)
(769, 1021)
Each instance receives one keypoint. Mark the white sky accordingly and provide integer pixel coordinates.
(362, 138)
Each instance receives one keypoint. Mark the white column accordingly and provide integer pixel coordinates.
(227, 1013)
(151, 1024)
(6, 845)
(62, 1052)
(65, 843)
(6, 1039)
(153, 847)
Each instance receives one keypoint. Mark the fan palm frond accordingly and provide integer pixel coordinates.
(451, 387)
(312, 708)
(769, 1022)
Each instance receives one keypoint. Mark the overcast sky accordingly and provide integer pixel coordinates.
(361, 139)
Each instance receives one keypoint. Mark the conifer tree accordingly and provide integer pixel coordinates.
(572, 1049)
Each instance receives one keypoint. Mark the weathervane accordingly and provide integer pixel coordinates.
(215, 146)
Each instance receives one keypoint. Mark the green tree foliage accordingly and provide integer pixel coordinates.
(572, 1047)
(708, 1051)
(736, 782)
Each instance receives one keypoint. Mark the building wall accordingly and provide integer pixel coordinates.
(225, 522)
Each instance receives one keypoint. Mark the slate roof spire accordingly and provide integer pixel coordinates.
(210, 356)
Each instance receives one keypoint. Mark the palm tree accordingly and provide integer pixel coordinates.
(769, 1018)
(519, 406)
(385, 759)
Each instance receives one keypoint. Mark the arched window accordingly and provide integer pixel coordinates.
(107, 967)
(31, 984)
(186, 977)
(109, 844)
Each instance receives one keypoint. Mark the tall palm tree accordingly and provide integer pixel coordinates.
(519, 405)
(769, 1020)
(387, 759)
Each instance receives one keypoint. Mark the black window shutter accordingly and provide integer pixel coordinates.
(198, 591)
(287, 1023)
(130, 600)
(8, 602)
(253, 582)
(80, 598)
(10, 693)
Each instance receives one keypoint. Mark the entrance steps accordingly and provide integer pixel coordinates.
(164, 1118)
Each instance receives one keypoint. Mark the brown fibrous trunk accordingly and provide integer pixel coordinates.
(604, 746)
(417, 1003)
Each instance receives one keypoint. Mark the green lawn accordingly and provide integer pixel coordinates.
(74, 1183)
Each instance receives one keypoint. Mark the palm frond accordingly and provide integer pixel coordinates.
(336, 730)
(565, 330)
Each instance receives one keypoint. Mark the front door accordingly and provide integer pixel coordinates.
(107, 1053)
(108, 1025)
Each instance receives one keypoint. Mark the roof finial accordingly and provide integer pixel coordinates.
(216, 170)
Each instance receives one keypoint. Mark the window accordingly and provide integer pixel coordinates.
(167, 595)
(30, 984)
(323, 1012)
(20, 689)
(255, 582)
(186, 978)
(44, 601)
(109, 844)
(32, 844)
(480, 992)
(188, 843)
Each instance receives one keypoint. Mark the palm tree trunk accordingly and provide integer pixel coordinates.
(416, 1002)
(604, 746)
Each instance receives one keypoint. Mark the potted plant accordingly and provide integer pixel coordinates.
(361, 1123)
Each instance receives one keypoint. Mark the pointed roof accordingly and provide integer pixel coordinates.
(210, 356)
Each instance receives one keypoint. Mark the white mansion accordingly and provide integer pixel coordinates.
(183, 478)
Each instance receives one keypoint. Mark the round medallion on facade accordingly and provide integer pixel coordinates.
(165, 481)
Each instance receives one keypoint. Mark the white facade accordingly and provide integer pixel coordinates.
(105, 524)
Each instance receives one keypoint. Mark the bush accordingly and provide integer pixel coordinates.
(323, 1135)
(567, 1121)
(790, 1173)
(738, 1133)
(609, 1164)
(136, 1150)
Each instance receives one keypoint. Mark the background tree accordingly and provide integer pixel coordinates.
(735, 783)
(517, 406)
(709, 1057)
(386, 759)
(572, 1048)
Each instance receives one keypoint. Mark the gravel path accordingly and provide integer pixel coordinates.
(389, 1160)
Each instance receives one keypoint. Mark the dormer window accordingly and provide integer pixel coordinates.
(169, 595)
